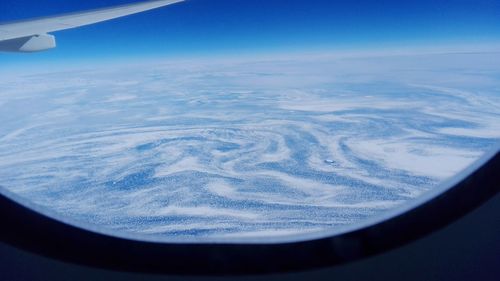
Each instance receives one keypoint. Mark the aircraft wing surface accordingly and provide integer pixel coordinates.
(33, 33)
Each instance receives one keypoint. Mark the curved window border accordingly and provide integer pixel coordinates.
(41, 231)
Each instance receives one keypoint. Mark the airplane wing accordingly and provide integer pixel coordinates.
(32, 35)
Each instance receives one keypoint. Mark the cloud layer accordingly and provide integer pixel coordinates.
(242, 149)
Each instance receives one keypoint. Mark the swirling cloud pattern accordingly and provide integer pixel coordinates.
(248, 148)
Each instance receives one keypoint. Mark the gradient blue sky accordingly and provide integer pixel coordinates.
(218, 27)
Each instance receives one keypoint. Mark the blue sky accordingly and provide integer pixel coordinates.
(219, 27)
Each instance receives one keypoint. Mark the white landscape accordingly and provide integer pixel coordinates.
(245, 148)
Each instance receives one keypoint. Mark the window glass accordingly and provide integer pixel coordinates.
(227, 119)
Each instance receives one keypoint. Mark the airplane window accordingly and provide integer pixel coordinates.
(246, 119)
